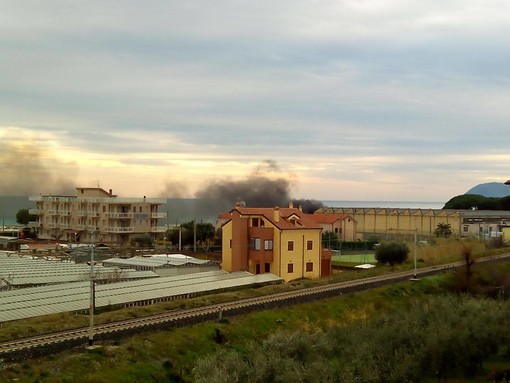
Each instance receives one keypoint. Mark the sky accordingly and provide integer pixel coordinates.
(398, 100)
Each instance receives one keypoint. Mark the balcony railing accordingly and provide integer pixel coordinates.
(58, 212)
(120, 215)
(35, 211)
(158, 215)
(158, 229)
(120, 229)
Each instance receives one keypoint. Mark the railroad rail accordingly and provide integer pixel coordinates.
(54, 342)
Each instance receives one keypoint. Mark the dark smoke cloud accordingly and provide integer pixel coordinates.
(30, 169)
(174, 189)
(265, 187)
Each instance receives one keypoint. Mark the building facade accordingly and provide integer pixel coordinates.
(281, 241)
(342, 225)
(389, 222)
(95, 215)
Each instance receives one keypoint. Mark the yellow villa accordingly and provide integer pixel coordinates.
(281, 241)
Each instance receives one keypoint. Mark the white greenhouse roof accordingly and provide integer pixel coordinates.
(16, 270)
(45, 300)
(157, 261)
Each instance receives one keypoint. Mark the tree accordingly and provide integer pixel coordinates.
(23, 217)
(391, 252)
(473, 201)
(467, 252)
(443, 230)
(142, 240)
(330, 240)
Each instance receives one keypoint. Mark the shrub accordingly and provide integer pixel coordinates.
(391, 252)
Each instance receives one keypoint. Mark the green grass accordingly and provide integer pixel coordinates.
(351, 260)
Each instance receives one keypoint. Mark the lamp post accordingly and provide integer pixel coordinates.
(91, 309)
(415, 250)
(415, 278)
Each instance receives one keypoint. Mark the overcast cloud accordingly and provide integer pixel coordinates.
(354, 100)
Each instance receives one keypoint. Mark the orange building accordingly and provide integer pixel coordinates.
(281, 241)
(342, 225)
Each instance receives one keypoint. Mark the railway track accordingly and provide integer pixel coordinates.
(41, 344)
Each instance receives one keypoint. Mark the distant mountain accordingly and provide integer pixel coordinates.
(491, 189)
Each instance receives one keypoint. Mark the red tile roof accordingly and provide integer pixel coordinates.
(327, 218)
(304, 222)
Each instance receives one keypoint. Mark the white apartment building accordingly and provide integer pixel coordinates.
(95, 215)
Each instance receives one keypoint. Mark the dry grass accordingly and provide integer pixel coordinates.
(446, 250)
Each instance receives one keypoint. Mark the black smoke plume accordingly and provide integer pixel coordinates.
(30, 169)
(265, 187)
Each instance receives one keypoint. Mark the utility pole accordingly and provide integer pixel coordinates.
(195, 235)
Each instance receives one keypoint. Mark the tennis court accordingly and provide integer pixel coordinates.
(354, 259)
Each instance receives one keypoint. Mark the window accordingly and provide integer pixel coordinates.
(309, 266)
(309, 245)
(290, 268)
(254, 243)
(267, 267)
(257, 222)
(268, 244)
(230, 243)
(290, 246)
(466, 228)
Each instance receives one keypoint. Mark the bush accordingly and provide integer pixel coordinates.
(391, 252)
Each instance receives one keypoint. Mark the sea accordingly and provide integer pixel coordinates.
(387, 204)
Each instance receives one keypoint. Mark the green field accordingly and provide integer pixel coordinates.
(351, 260)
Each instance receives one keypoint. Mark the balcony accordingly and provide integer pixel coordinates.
(53, 225)
(35, 211)
(120, 229)
(158, 229)
(81, 227)
(158, 215)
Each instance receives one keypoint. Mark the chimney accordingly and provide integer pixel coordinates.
(300, 208)
(111, 192)
(277, 214)
(291, 205)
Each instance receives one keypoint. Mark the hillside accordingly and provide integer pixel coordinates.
(491, 189)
